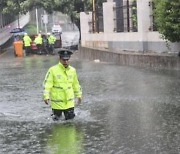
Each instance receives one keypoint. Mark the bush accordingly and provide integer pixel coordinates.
(30, 29)
(167, 19)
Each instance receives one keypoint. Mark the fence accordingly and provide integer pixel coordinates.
(125, 16)
(152, 18)
(6, 19)
(97, 21)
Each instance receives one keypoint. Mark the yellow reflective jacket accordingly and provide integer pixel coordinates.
(27, 41)
(61, 86)
(38, 40)
(51, 39)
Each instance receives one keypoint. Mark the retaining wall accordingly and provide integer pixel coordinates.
(150, 60)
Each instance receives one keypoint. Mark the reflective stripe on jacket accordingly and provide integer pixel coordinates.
(61, 85)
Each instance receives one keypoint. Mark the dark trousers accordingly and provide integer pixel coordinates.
(51, 49)
(68, 113)
(39, 46)
(28, 49)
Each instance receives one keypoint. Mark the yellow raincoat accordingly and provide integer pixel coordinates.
(61, 86)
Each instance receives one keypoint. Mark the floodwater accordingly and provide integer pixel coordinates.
(125, 110)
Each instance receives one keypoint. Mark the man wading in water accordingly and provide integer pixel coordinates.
(61, 86)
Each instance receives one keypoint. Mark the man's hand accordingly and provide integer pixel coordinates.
(79, 100)
(46, 101)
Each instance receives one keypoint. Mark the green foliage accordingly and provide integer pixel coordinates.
(167, 18)
(134, 15)
(69, 7)
(30, 29)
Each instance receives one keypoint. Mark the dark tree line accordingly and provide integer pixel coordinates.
(69, 7)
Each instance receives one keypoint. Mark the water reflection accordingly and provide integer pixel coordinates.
(65, 139)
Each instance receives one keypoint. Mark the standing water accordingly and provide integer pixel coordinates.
(124, 110)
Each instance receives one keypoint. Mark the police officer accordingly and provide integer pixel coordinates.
(51, 41)
(38, 40)
(61, 86)
(27, 43)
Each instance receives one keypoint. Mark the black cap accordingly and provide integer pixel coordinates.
(65, 53)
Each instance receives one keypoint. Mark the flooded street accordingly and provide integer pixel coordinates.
(125, 110)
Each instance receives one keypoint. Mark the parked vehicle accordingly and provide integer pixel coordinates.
(33, 44)
(33, 47)
(56, 29)
(17, 31)
(70, 40)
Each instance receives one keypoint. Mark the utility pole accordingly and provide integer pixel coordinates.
(37, 23)
(53, 17)
(45, 19)
(18, 21)
(94, 25)
(18, 13)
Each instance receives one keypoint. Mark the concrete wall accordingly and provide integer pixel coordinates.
(142, 60)
(142, 41)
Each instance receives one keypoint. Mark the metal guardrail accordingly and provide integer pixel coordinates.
(126, 16)
(97, 23)
(5, 31)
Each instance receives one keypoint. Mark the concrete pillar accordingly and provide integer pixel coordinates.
(143, 17)
(108, 16)
(86, 26)
(85, 22)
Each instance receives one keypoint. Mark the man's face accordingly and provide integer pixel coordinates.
(65, 62)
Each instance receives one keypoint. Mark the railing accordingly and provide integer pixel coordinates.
(6, 19)
(5, 31)
(97, 21)
(125, 16)
(152, 18)
(100, 23)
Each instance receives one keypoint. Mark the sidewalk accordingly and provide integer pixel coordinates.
(7, 53)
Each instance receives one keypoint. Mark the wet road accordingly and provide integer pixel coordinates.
(124, 111)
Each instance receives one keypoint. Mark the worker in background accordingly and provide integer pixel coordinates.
(51, 41)
(27, 43)
(16, 38)
(45, 45)
(39, 41)
(61, 86)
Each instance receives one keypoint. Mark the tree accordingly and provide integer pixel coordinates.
(74, 7)
(16, 8)
(69, 7)
(167, 19)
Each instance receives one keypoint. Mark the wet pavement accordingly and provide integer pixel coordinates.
(125, 110)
